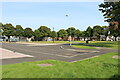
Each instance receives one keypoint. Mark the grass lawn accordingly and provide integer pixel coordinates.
(103, 66)
(83, 47)
(107, 44)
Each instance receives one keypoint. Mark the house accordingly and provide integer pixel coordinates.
(94, 38)
(14, 38)
(102, 37)
(47, 39)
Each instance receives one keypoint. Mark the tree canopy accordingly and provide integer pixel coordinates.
(8, 30)
(28, 32)
(62, 33)
(19, 31)
(71, 31)
(111, 11)
(45, 31)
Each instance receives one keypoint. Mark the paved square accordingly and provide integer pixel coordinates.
(6, 54)
(39, 51)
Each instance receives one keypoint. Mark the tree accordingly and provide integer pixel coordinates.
(28, 32)
(89, 32)
(78, 34)
(19, 31)
(37, 35)
(105, 31)
(71, 31)
(1, 28)
(8, 30)
(111, 11)
(62, 33)
(45, 31)
(97, 31)
(83, 34)
(113, 31)
(53, 35)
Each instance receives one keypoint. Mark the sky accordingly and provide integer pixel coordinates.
(52, 14)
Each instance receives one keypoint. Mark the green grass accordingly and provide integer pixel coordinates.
(103, 66)
(107, 44)
(83, 47)
(49, 42)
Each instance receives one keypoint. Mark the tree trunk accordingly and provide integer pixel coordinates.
(115, 38)
(53, 40)
(8, 38)
(84, 38)
(105, 38)
(90, 39)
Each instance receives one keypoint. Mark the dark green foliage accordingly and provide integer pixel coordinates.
(71, 31)
(28, 32)
(111, 12)
(97, 31)
(37, 35)
(8, 30)
(62, 33)
(45, 31)
(78, 33)
(1, 28)
(89, 32)
(83, 34)
(53, 34)
(19, 31)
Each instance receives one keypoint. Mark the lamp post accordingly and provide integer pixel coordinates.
(70, 31)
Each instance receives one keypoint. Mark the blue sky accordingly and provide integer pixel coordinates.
(52, 14)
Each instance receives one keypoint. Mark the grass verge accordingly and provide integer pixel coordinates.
(103, 66)
(83, 47)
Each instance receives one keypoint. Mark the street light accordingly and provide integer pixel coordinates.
(70, 31)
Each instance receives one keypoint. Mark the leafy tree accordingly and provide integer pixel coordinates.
(37, 35)
(1, 28)
(62, 33)
(83, 34)
(111, 11)
(89, 32)
(8, 30)
(97, 31)
(71, 31)
(78, 34)
(19, 31)
(113, 31)
(53, 35)
(45, 31)
(28, 32)
(105, 31)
